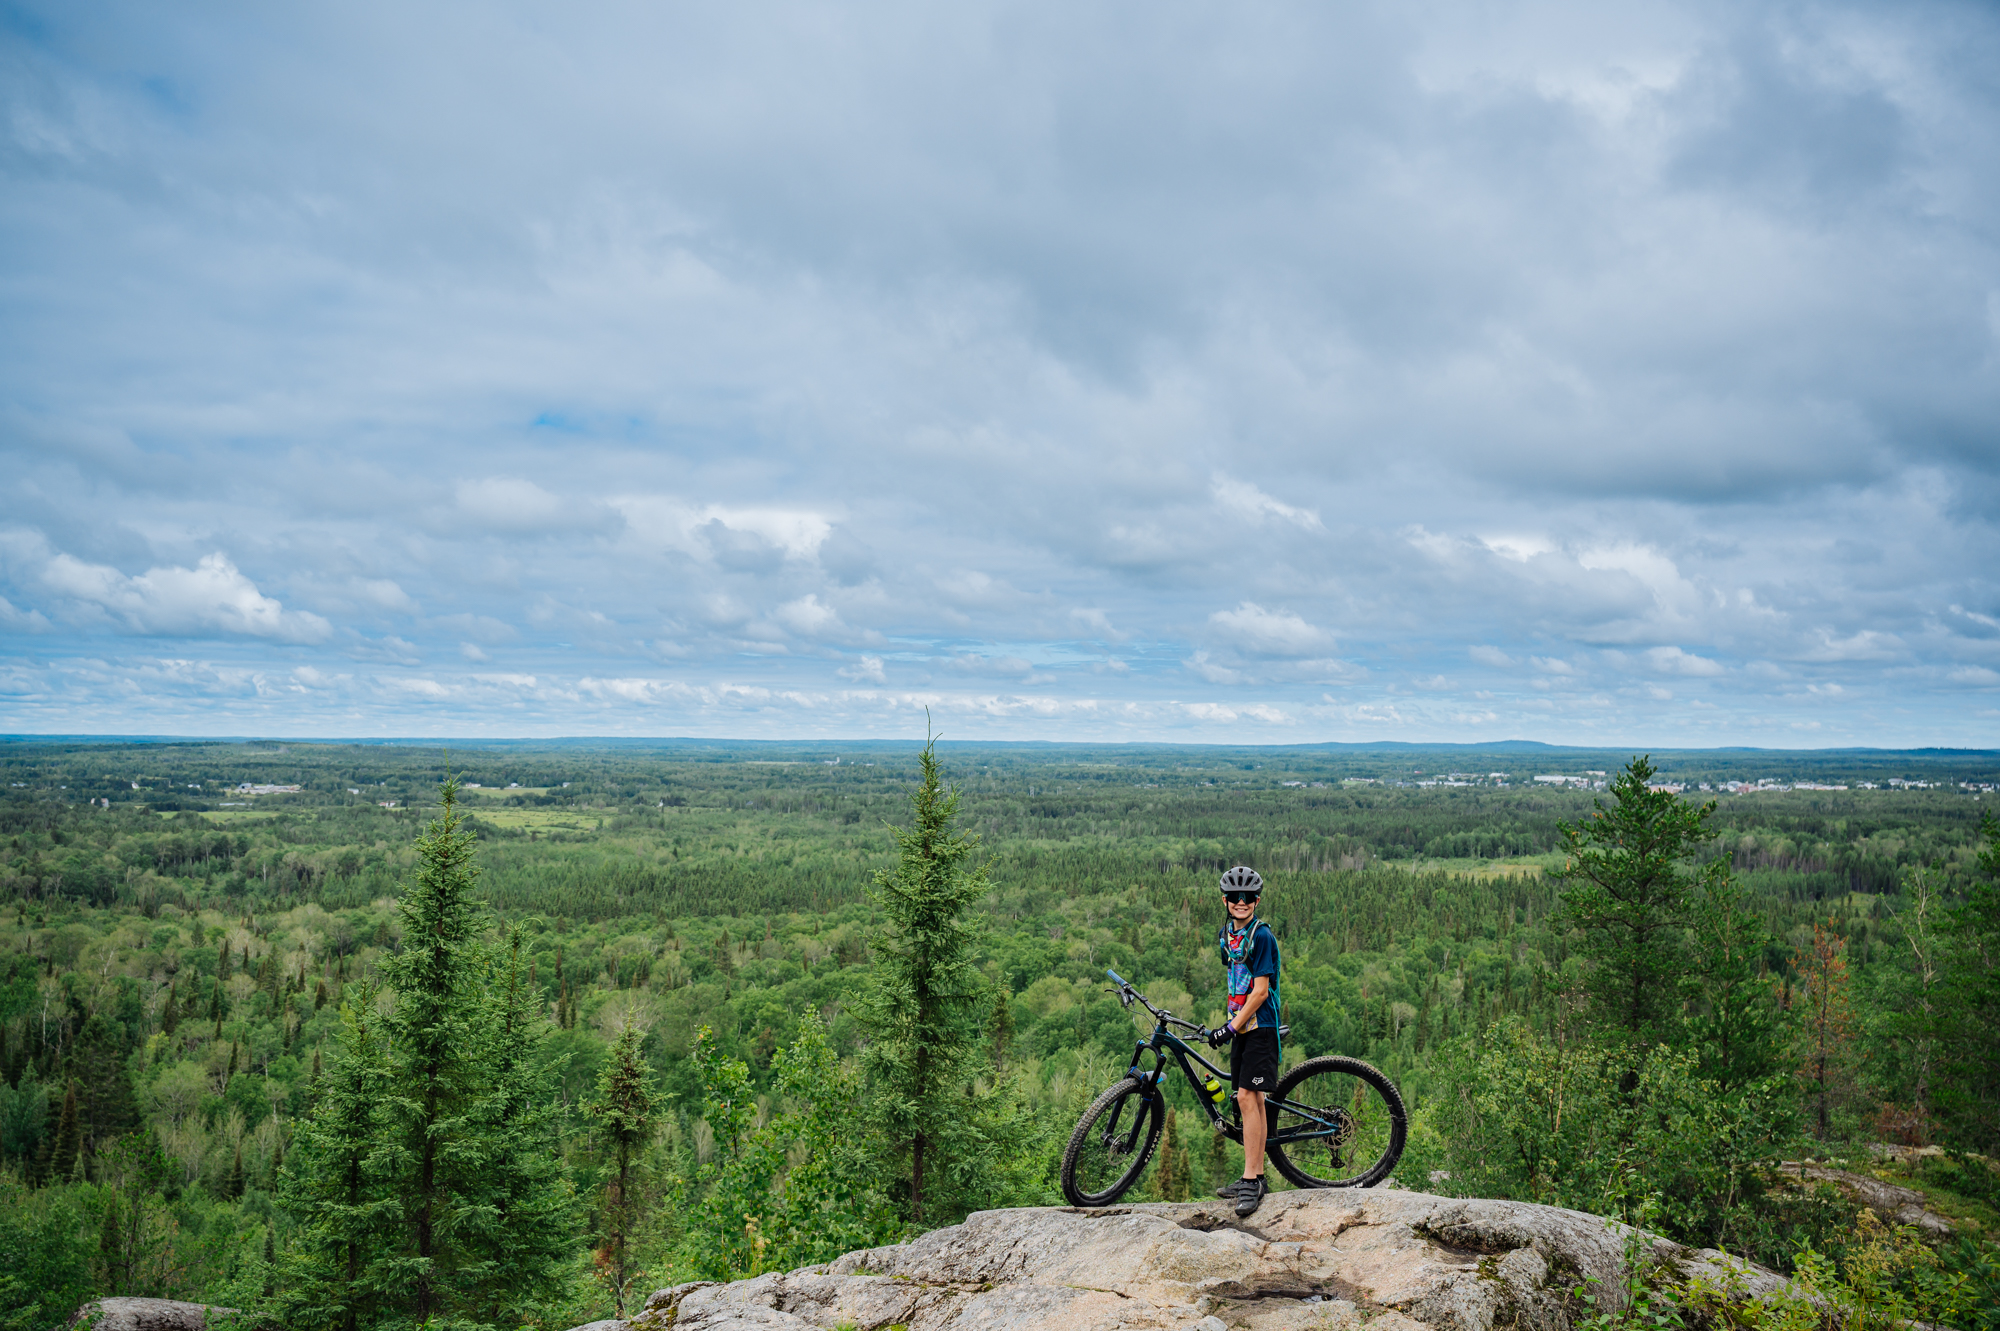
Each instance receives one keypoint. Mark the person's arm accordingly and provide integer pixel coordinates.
(1260, 988)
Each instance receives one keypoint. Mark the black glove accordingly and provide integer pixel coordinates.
(1220, 1036)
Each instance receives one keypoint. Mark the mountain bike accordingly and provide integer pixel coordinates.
(1333, 1122)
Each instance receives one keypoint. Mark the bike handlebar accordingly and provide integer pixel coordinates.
(1126, 995)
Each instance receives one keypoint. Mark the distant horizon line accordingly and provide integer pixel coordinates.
(1487, 746)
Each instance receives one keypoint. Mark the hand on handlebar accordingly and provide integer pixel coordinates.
(1220, 1036)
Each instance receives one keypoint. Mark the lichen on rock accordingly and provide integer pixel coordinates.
(1325, 1260)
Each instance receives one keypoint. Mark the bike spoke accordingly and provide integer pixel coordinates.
(1110, 1146)
(1335, 1125)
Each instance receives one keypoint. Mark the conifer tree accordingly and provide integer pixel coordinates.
(923, 1019)
(484, 1215)
(1628, 892)
(1000, 1030)
(106, 1108)
(624, 1112)
(523, 1225)
(1172, 1178)
(61, 1157)
(342, 1224)
(1735, 1023)
(433, 1027)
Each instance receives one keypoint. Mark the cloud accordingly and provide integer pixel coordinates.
(514, 506)
(1518, 548)
(22, 621)
(706, 361)
(724, 533)
(1253, 630)
(1674, 661)
(1248, 501)
(212, 597)
(868, 669)
(1210, 671)
(807, 617)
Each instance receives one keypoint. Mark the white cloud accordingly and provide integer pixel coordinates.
(20, 621)
(400, 362)
(1098, 623)
(1518, 548)
(666, 522)
(1252, 629)
(385, 593)
(807, 617)
(212, 597)
(866, 670)
(1674, 661)
(1246, 500)
(1210, 671)
(515, 506)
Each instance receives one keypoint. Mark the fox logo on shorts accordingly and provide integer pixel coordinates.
(1256, 1081)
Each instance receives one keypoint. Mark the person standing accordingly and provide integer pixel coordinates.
(1250, 957)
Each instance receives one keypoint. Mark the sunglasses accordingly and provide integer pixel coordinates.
(1240, 898)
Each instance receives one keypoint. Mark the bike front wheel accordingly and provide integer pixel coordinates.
(1341, 1124)
(1111, 1144)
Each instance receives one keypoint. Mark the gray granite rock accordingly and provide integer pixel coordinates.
(148, 1315)
(1330, 1260)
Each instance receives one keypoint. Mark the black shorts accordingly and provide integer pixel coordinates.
(1253, 1059)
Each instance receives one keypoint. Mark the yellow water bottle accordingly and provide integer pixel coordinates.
(1215, 1090)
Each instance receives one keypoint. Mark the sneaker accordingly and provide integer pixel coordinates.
(1250, 1194)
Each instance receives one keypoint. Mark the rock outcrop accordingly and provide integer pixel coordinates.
(1333, 1259)
(148, 1315)
(1893, 1202)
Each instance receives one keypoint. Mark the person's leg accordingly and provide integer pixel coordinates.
(1251, 1103)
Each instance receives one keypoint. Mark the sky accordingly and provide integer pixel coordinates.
(1584, 372)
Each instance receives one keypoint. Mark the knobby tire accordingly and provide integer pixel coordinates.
(1097, 1172)
(1366, 1105)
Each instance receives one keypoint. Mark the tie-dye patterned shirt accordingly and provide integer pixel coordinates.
(1246, 954)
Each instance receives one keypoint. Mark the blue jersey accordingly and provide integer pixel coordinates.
(1245, 958)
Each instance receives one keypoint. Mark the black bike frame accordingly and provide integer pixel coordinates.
(1163, 1042)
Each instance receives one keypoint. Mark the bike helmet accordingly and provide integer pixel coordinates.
(1242, 878)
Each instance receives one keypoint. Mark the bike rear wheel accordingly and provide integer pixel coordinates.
(1111, 1144)
(1346, 1127)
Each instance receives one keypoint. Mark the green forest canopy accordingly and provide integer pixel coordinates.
(677, 885)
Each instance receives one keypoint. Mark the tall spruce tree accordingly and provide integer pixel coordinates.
(524, 1224)
(436, 1031)
(431, 1150)
(1735, 1022)
(1628, 891)
(327, 1189)
(62, 1159)
(923, 1021)
(106, 1108)
(623, 1109)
